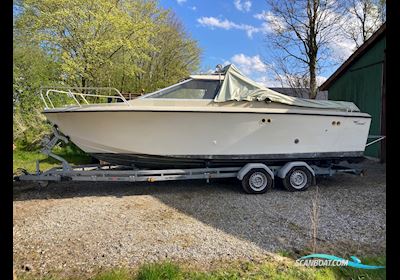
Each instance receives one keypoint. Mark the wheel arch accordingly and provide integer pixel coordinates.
(245, 169)
(283, 171)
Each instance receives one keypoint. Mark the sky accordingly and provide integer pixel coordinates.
(233, 31)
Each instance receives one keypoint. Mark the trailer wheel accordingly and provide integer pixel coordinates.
(257, 181)
(299, 178)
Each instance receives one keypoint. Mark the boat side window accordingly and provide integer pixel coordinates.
(193, 89)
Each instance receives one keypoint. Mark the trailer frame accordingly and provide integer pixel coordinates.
(116, 173)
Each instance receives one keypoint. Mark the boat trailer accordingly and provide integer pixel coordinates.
(255, 177)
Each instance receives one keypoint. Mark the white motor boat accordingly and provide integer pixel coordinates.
(220, 119)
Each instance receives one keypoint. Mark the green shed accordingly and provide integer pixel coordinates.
(361, 79)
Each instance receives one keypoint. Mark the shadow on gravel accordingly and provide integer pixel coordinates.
(275, 220)
(61, 190)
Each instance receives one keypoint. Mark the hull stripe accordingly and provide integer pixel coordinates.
(218, 112)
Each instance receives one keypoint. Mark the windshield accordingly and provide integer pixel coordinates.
(192, 89)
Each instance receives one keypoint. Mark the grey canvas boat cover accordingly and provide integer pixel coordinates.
(237, 86)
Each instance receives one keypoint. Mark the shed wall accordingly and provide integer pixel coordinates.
(362, 84)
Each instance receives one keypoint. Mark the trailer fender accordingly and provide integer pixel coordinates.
(245, 169)
(288, 166)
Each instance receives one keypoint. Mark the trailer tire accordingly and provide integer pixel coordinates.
(299, 178)
(257, 181)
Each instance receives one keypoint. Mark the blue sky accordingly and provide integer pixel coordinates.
(232, 31)
(221, 44)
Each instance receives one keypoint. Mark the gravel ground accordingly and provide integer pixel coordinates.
(75, 227)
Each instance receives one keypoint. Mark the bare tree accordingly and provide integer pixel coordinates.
(286, 77)
(364, 17)
(300, 32)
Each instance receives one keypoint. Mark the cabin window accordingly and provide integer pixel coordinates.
(192, 89)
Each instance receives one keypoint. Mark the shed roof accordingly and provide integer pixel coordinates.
(300, 92)
(356, 55)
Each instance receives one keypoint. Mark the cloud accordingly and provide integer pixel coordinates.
(249, 64)
(267, 81)
(341, 48)
(260, 16)
(180, 2)
(226, 24)
(253, 67)
(271, 23)
(213, 22)
(194, 8)
(242, 6)
(261, 72)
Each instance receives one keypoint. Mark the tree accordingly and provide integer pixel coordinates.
(127, 44)
(364, 17)
(32, 68)
(287, 77)
(86, 35)
(301, 30)
(176, 56)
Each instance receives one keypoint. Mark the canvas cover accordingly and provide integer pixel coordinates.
(237, 86)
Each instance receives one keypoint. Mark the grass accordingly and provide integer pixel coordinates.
(117, 274)
(164, 270)
(363, 274)
(270, 270)
(274, 270)
(27, 159)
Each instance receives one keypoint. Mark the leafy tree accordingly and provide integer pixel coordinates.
(128, 44)
(176, 57)
(173, 58)
(86, 35)
(32, 68)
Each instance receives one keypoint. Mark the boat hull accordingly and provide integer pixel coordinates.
(148, 138)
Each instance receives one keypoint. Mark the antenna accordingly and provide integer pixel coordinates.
(219, 70)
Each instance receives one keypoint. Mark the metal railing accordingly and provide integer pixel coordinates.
(81, 93)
